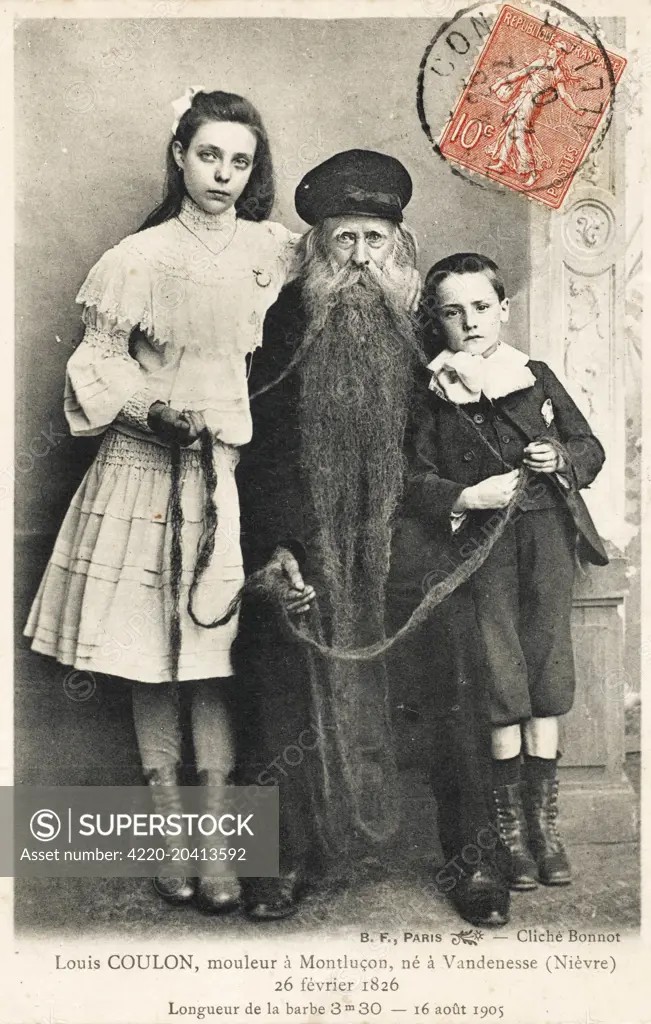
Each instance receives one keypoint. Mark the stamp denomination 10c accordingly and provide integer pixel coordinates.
(532, 105)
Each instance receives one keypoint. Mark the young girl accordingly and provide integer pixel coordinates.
(491, 411)
(152, 535)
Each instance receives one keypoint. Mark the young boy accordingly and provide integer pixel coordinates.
(491, 411)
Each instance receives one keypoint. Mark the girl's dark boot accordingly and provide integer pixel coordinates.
(218, 887)
(176, 889)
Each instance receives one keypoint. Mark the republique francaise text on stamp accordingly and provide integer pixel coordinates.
(532, 106)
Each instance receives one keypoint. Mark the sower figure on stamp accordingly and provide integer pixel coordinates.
(526, 91)
(491, 411)
(320, 483)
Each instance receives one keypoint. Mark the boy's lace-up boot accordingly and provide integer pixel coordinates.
(541, 803)
(512, 826)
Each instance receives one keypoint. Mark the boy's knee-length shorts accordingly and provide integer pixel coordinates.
(523, 596)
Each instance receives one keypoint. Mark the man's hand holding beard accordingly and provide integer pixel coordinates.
(284, 580)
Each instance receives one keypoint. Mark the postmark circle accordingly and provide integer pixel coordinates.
(503, 67)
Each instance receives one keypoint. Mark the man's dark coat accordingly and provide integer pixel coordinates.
(435, 697)
(275, 508)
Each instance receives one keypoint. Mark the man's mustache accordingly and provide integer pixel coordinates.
(350, 275)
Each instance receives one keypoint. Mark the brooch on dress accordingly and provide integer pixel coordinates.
(262, 278)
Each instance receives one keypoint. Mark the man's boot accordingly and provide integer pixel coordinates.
(481, 897)
(273, 899)
(541, 803)
(218, 887)
(166, 798)
(471, 876)
(512, 827)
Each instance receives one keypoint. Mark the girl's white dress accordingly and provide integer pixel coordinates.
(171, 314)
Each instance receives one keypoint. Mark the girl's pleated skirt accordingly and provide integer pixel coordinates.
(105, 602)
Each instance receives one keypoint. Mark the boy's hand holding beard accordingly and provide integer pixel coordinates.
(493, 492)
(543, 457)
(497, 491)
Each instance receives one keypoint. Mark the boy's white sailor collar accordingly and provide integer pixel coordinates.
(463, 378)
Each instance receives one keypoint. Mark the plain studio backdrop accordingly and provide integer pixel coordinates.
(93, 117)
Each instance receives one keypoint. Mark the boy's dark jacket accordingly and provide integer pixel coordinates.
(276, 510)
(447, 454)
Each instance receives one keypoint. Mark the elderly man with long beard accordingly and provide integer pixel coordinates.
(321, 483)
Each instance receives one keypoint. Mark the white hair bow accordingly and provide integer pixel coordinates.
(184, 103)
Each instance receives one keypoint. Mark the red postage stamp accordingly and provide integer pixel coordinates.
(534, 101)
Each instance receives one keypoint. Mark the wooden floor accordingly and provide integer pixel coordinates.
(603, 897)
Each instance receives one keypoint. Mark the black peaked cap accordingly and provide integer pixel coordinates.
(357, 182)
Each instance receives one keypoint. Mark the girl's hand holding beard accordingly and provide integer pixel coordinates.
(174, 427)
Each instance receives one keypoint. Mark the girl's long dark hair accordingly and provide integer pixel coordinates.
(257, 199)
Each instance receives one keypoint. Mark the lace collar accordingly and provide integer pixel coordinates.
(462, 378)
(200, 221)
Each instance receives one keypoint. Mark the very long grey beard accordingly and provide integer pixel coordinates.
(353, 410)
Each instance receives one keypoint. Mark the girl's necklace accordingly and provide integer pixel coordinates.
(205, 244)
(262, 278)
